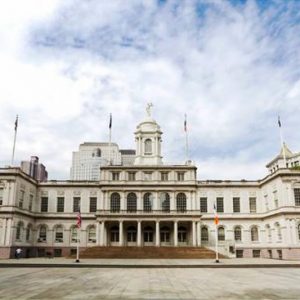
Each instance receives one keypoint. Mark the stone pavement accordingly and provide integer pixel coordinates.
(124, 283)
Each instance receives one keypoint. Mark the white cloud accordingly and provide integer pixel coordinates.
(67, 65)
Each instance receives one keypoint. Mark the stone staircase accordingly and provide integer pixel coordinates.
(148, 252)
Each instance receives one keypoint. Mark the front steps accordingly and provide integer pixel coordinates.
(149, 252)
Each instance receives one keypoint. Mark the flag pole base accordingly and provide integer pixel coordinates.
(77, 260)
(217, 261)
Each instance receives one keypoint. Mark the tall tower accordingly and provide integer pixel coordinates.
(148, 141)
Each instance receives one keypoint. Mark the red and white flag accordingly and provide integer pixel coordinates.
(78, 223)
(216, 218)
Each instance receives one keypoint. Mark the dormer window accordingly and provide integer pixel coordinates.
(148, 147)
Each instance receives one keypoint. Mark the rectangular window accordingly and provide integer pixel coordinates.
(236, 205)
(220, 205)
(93, 204)
(203, 204)
(297, 196)
(164, 176)
(148, 176)
(30, 202)
(252, 204)
(115, 176)
(131, 176)
(21, 200)
(76, 204)
(44, 204)
(60, 207)
(256, 253)
(1, 196)
(275, 196)
(180, 176)
(239, 253)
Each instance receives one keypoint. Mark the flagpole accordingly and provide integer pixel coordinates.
(78, 241)
(78, 223)
(109, 143)
(216, 221)
(186, 139)
(282, 143)
(14, 145)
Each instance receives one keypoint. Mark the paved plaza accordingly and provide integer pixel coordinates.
(149, 283)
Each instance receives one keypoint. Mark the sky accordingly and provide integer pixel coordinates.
(231, 66)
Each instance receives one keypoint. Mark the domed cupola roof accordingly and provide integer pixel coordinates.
(148, 125)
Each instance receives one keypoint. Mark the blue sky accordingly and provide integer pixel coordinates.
(232, 66)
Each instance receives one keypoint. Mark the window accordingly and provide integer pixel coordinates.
(237, 234)
(59, 234)
(73, 234)
(115, 202)
(278, 229)
(21, 200)
(98, 152)
(19, 231)
(148, 176)
(256, 253)
(297, 196)
(299, 231)
(204, 234)
(254, 234)
(164, 176)
(275, 196)
(221, 234)
(182, 235)
(165, 202)
(93, 204)
(180, 176)
(131, 234)
(148, 146)
(220, 205)
(60, 207)
(115, 176)
(28, 232)
(131, 202)
(165, 234)
(236, 205)
(181, 202)
(269, 233)
(203, 205)
(131, 176)
(44, 204)
(76, 204)
(239, 253)
(114, 234)
(91, 234)
(252, 204)
(42, 234)
(30, 202)
(148, 234)
(1, 196)
(148, 202)
(266, 202)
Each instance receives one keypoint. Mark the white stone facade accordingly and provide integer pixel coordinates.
(149, 203)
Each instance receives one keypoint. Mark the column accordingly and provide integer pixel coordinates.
(199, 234)
(121, 233)
(139, 233)
(175, 233)
(9, 232)
(194, 233)
(4, 221)
(294, 231)
(102, 230)
(157, 237)
(98, 234)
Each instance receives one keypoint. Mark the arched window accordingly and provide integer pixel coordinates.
(28, 232)
(165, 234)
(204, 234)
(299, 231)
(278, 229)
(181, 202)
(182, 234)
(131, 234)
(131, 202)
(98, 152)
(148, 146)
(221, 233)
(165, 201)
(73, 234)
(115, 202)
(254, 234)
(237, 234)
(91, 232)
(43, 234)
(114, 234)
(59, 234)
(148, 234)
(19, 231)
(148, 202)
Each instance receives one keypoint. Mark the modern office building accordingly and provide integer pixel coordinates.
(34, 169)
(149, 203)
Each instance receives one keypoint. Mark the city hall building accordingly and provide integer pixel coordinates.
(148, 203)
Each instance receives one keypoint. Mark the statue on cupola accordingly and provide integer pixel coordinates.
(148, 140)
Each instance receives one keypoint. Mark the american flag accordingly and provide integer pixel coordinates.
(78, 223)
(110, 121)
(185, 126)
(16, 123)
(279, 122)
